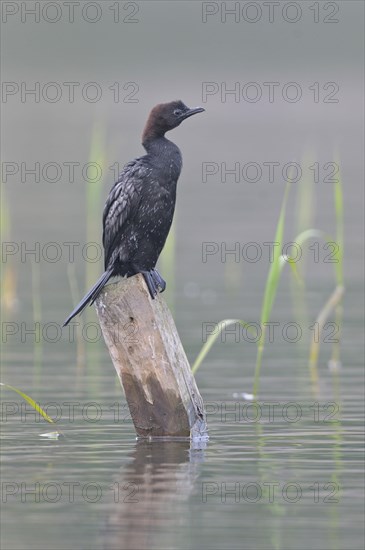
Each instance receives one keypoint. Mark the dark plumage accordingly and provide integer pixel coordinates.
(139, 209)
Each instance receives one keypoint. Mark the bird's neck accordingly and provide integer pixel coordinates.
(165, 155)
(154, 144)
(161, 146)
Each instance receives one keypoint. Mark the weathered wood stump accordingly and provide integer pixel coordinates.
(148, 356)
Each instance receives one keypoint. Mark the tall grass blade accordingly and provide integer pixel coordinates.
(335, 361)
(304, 215)
(332, 302)
(29, 400)
(338, 197)
(271, 289)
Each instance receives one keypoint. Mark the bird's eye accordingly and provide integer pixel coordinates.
(177, 112)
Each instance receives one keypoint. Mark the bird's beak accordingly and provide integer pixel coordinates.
(192, 112)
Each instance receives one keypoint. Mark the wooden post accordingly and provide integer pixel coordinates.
(148, 356)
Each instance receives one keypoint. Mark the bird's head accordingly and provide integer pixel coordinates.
(167, 116)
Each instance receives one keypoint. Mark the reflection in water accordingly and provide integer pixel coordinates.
(149, 490)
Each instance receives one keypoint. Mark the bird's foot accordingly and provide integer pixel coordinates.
(151, 283)
(160, 282)
(154, 282)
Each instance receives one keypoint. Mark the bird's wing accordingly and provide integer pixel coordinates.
(122, 203)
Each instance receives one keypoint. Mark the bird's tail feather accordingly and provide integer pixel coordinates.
(90, 296)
